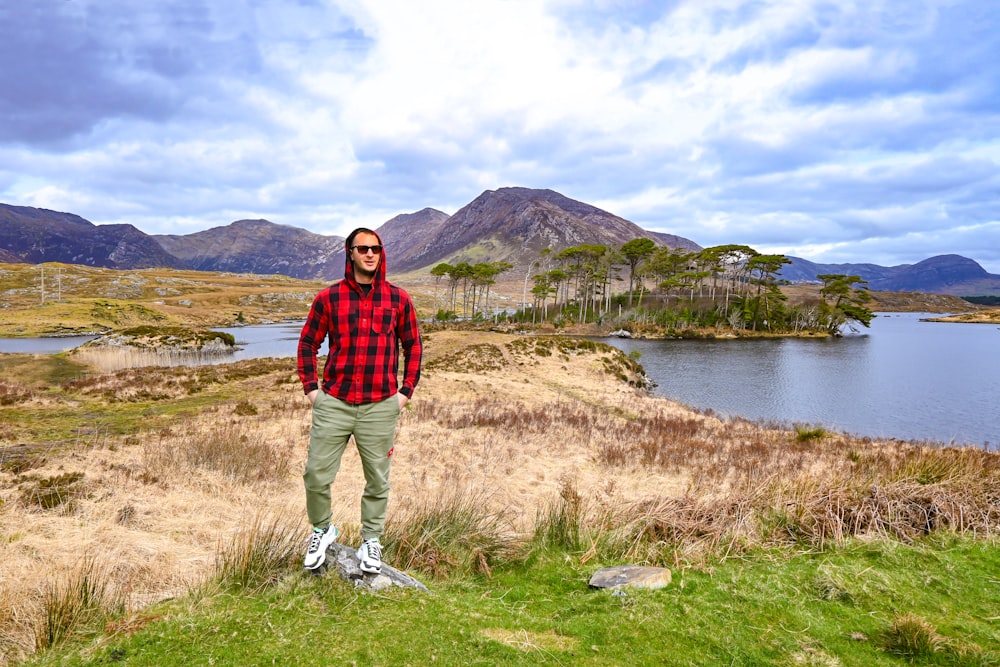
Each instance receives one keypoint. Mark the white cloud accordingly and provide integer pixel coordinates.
(837, 129)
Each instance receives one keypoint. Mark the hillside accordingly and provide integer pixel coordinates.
(34, 236)
(259, 246)
(61, 299)
(411, 235)
(514, 225)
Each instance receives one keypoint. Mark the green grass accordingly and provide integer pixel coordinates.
(880, 603)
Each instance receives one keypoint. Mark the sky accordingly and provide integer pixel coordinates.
(832, 130)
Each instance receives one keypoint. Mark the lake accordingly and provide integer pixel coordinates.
(254, 342)
(901, 378)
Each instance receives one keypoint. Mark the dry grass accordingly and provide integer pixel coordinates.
(508, 442)
(92, 299)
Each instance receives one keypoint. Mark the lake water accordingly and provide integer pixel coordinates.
(273, 340)
(254, 342)
(901, 378)
(42, 345)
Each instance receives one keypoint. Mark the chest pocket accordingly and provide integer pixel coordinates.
(383, 320)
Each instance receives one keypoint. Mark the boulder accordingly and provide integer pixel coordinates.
(344, 560)
(631, 576)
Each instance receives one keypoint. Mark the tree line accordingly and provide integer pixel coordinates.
(642, 283)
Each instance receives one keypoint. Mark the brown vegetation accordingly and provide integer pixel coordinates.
(164, 470)
(70, 298)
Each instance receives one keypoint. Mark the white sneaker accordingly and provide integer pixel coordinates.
(370, 555)
(319, 541)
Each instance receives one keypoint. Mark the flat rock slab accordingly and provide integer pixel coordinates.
(344, 560)
(631, 576)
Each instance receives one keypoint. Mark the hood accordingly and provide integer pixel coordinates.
(349, 265)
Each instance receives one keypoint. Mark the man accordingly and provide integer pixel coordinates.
(367, 320)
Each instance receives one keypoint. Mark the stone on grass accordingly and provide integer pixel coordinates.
(631, 576)
(345, 560)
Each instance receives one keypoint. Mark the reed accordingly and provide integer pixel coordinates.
(450, 533)
(109, 360)
(260, 554)
(562, 522)
(84, 600)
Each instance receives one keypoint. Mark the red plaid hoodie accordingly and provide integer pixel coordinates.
(366, 332)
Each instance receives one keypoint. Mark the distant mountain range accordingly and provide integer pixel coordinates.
(508, 224)
(942, 274)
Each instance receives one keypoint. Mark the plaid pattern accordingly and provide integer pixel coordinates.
(366, 333)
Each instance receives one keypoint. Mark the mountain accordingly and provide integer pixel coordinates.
(942, 274)
(259, 246)
(410, 234)
(514, 225)
(509, 224)
(35, 235)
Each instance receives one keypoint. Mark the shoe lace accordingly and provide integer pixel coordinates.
(314, 540)
(374, 550)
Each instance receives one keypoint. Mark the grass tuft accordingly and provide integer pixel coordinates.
(260, 555)
(561, 523)
(448, 534)
(913, 637)
(809, 434)
(88, 596)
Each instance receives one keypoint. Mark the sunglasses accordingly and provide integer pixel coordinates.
(363, 249)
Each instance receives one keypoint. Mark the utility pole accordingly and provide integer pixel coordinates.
(42, 268)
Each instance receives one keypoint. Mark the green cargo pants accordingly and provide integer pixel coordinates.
(373, 426)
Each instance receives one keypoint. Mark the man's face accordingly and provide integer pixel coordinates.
(365, 263)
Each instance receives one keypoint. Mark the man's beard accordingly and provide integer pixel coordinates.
(364, 273)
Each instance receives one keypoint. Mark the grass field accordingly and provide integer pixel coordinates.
(154, 515)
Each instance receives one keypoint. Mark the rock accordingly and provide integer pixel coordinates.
(632, 576)
(345, 560)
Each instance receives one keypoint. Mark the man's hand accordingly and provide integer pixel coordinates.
(403, 400)
(312, 396)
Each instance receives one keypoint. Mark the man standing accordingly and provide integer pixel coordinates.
(367, 320)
